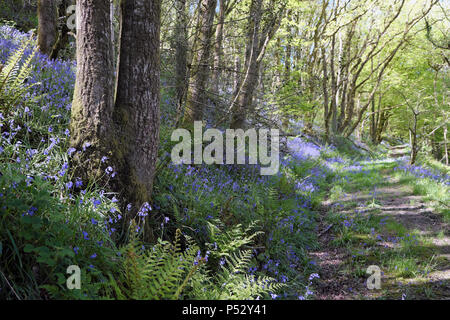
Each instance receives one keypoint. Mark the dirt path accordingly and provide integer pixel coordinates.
(342, 271)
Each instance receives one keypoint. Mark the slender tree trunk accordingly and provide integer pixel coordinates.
(181, 49)
(413, 139)
(381, 126)
(245, 97)
(434, 146)
(445, 145)
(237, 76)
(197, 97)
(337, 90)
(218, 47)
(48, 25)
(325, 96)
(276, 84)
(63, 34)
(92, 106)
(373, 123)
(136, 113)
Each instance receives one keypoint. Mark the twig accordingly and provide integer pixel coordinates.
(7, 282)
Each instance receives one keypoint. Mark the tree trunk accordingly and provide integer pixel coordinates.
(445, 145)
(245, 96)
(63, 34)
(48, 25)
(325, 96)
(413, 140)
(197, 93)
(373, 123)
(136, 114)
(92, 106)
(181, 48)
(218, 48)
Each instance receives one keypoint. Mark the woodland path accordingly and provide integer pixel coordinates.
(391, 228)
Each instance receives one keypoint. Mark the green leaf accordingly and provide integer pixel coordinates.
(28, 248)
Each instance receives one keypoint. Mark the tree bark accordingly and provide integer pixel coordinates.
(218, 47)
(48, 25)
(92, 106)
(197, 93)
(63, 34)
(181, 48)
(251, 66)
(136, 113)
(413, 139)
(445, 145)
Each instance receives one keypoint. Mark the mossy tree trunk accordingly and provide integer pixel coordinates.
(136, 112)
(92, 107)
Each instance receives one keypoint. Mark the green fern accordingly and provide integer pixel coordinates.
(232, 282)
(225, 242)
(165, 271)
(13, 76)
(161, 272)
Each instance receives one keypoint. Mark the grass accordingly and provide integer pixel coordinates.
(436, 193)
(371, 237)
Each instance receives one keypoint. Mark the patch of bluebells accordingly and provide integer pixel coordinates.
(53, 81)
(423, 173)
(47, 157)
(302, 150)
(203, 184)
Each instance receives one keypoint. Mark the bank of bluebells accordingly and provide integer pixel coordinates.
(54, 80)
(422, 173)
(283, 205)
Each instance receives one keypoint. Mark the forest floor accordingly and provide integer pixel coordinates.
(376, 219)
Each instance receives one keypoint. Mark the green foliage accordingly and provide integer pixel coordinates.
(40, 237)
(223, 242)
(232, 282)
(166, 271)
(161, 272)
(23, 14)
(13, 76)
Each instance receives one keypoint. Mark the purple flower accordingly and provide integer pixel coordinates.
(96, 202)
(86, 145)
(71, 150)
(78, 183)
